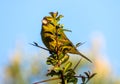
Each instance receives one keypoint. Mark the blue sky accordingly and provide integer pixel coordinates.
(20, 20)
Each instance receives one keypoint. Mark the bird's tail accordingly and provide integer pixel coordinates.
(84, 57)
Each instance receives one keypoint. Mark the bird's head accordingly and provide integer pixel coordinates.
(47, 19)
(52, 19)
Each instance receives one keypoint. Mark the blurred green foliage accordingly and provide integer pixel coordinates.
(18, 72)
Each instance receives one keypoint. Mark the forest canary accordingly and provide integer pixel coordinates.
(53, 35)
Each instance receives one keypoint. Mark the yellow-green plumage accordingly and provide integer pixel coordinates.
(53, 35)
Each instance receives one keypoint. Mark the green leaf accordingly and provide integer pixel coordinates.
(67, 30)
(52, 73)
(65, 59)
(53, 14)
(61, 55)
(83, 79)
(67, 66)
(51, 60)
(79, 44)
(57, 69)
(73, 80)
(91, 77)
(87, 74)
(70, 73)
(59, 17)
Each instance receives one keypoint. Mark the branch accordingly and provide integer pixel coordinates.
(35, 44)
(77, 64)
(46, 80)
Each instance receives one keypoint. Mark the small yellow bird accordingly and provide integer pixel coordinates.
(53, 35)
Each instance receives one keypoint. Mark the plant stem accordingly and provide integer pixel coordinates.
(57, 51)
(62, 77)
(46, 80)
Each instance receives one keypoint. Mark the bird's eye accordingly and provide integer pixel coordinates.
(44, 21)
